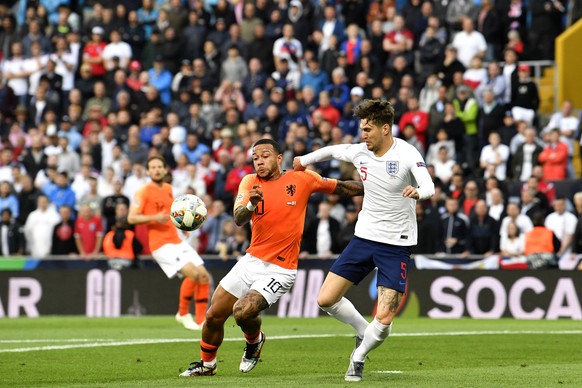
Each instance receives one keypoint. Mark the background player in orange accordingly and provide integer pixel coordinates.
(275, 201)
(175, 257)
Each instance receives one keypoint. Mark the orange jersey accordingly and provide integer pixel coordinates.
(278, 220)
(152, 199)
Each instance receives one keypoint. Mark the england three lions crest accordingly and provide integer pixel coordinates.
(392, 167)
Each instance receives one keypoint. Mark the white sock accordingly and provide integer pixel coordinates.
(374, 335)
(345, 312)
(210, 364)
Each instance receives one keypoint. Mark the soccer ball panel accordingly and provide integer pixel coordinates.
(188, 212)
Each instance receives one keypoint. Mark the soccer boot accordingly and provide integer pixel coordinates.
(188, 322)
(355, 371)
(358, 342)
(251, 355)
(198, 368)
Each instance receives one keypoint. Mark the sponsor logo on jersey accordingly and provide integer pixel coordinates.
(392, 167)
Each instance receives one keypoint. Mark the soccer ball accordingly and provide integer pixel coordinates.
(188, 212)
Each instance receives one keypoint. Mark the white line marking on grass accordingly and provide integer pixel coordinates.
(144, 341)
(54, 340)
(388, 371)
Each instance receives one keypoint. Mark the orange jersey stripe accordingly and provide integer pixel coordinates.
(152, 199)
(277, 223)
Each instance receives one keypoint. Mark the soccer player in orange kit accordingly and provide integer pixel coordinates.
(175, 257)
(275, 201)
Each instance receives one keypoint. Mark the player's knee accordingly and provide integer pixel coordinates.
(203, 277)
(215, 320)
(243, 312)
(324, 301)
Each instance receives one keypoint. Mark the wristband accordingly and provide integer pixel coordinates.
(250, 206)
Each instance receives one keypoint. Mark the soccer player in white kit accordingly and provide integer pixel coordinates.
(394, 175)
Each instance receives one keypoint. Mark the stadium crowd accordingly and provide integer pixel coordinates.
(90, 89)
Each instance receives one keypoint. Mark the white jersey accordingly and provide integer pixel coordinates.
(386, 216)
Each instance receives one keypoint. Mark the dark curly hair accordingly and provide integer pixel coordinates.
(378, 112)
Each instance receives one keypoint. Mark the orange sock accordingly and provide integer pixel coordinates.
(207, 351)
(201, 292)
(252, 338)
(186, 295)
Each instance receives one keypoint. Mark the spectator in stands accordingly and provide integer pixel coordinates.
(483, 231)
(514, 215)
(513, 244)
(496, 204)
(63, 240)
(60, 193)
(161, 79)
(214, 225)
(454, 230)
(109, 203)
(8, 200)
(338, 90)
(289, 48)
(399, 41)
(429, 229)
(91, 197)
(93, 52)
(563, 224)
(121, 245)
(418, 118)
(39, 227)
(319, 237)
(469, 42)
(234, 67)
(530, 204)
(526, 157)
(566, 121)
(135, 180)
(494, 157)
(467, 110)
(475, 75)
(88, 233)
(12, 242)
(443, 164)
(27, 198)
(326, 110)
(524, 92)
(554, 157)
(449, 66)
(546, 25)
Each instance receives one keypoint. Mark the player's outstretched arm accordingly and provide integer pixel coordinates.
(349, 188)
(136, 218)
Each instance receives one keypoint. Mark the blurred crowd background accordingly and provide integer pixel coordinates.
(90, 89)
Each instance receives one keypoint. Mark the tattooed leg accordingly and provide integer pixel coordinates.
(246, 311)
(388, 302)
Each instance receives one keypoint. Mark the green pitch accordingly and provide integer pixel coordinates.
(152, 351)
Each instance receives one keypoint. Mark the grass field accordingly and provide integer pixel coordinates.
(152, 351)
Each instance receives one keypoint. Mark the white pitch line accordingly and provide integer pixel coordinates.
(145, 341)
(388, 371)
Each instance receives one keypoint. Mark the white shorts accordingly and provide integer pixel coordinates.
(173, 257)
(252, 273)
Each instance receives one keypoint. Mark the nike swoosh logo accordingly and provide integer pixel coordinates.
(363, 163)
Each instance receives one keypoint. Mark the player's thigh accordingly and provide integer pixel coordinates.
(238, 280)
(195, 273)
(392, 262)
(356, 261)
(272, 282)
(173, 257)
(221, 305)
(333, 289)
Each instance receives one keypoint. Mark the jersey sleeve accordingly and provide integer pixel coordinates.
(139, 202)
(319, 184)
(244, 189)
(421, 176)
(344, 152)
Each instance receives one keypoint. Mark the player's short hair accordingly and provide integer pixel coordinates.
(272, 142)
(378, 112)
(156, 157)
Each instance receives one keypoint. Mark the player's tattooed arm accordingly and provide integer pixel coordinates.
(349, 188)
(242, 215)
